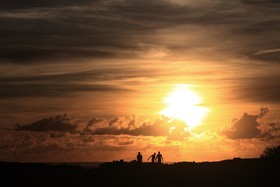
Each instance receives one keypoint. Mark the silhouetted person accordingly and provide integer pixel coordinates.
(153, 158)
(159, 158)
(139, 157)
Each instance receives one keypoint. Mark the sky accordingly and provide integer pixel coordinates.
(92, 80)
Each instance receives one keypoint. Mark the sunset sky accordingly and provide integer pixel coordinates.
(100, 80)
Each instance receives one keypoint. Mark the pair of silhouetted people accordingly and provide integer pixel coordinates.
(158, 158)
(154, 157)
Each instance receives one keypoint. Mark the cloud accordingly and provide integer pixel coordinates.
(253, 126)
(68, 83)
(173, 130)
(56, 135)
(94, 121)
(99, 74)
(271, 131)
(261, 2)
(132, 122)
(29, 4)
(268, 55)
(267, 51)
(130, 28)
(113, 121)
(110, 37)
(43, 147)
(27, 146)
(157, 128)
(16, 89)
(259, 88)
(263, 111)
(248, 126)
(57, 123)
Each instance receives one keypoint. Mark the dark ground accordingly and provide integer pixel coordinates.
(238, 172)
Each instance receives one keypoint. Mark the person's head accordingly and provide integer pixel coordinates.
(159, 152)
(154, 153)
(138, 153)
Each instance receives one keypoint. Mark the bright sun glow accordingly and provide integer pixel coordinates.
(183, 104)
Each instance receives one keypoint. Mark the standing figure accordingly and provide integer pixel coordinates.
(139, 158)
(159, 158)
(153, 158)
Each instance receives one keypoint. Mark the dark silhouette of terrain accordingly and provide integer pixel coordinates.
(236, 172)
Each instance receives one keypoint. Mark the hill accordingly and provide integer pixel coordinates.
(237, 172)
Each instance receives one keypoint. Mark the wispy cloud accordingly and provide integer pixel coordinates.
(267, 51)
(119, 29)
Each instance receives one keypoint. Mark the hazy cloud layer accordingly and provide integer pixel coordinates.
(260, 89)
(58, 32)
(63, 84)
(106, 29)
(51, 90)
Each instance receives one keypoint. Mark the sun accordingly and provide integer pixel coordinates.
(185, 104)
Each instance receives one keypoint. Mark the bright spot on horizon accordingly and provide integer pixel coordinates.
(183, 104)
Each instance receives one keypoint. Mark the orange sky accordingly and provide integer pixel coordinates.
(112, 65)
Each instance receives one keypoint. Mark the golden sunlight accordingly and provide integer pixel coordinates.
(183, 104)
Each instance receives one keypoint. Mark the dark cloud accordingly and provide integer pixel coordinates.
(26, 55)
(263, 111)
(91, 124)
(265, 89)
(251, 126)
(113, 121)
(28, 4)
(51, 33)
(126, 143)
(132, 122)
(105, 74)
(61, 84)
(56, 32)
(56, 135)
(271, 131)
(107, 29)
(57, 123)
(273, 56)
(146, 129)
(94, 121)
(51, 89)
(247, 126)
(260, 2)
(87, 139)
